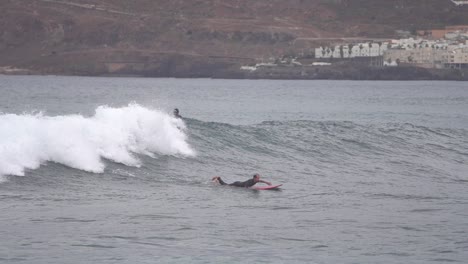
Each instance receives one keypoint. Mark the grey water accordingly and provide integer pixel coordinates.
(372, 172)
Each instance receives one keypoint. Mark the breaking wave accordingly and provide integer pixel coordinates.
(116, 134)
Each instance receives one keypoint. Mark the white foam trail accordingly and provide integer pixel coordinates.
(29, 140)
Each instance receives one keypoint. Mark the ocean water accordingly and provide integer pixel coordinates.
(96, 170)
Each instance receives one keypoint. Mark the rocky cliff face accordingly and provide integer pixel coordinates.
(194, 38)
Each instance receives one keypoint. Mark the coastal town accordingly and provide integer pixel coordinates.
(434, 48)
(445, 48)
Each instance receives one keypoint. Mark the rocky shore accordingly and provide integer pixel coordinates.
(218, 69)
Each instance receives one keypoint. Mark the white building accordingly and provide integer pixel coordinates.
(452, 56)
(457, 56)
(419, 43)
(357, 50)
(458, 3)
(456, 35)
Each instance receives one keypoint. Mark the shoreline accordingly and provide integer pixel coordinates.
(285, 73)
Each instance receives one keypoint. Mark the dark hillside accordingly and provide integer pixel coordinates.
(171, 38)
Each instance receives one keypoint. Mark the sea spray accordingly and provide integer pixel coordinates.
(117, 134)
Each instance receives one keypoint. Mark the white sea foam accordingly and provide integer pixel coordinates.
(117, 134)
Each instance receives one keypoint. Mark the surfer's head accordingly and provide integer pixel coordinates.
(176, 111)
(256, 177)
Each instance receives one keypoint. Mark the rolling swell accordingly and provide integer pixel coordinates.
(340, 146)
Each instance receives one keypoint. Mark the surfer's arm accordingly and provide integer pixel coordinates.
(218, 179)
(269, 183)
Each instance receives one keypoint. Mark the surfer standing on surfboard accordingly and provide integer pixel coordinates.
(246, 184)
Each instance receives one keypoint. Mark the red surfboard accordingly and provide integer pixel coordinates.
(269, 187)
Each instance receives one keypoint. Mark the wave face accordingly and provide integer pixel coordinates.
(115, 134)
(337, 148)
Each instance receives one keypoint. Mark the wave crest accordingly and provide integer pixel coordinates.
(117, 134)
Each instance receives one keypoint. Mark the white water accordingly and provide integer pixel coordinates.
(117, 134)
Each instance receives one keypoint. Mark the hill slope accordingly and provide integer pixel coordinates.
(194, 38)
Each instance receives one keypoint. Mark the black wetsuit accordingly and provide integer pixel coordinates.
(246, 184)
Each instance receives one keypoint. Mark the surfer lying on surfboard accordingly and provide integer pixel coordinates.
(246, 184)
